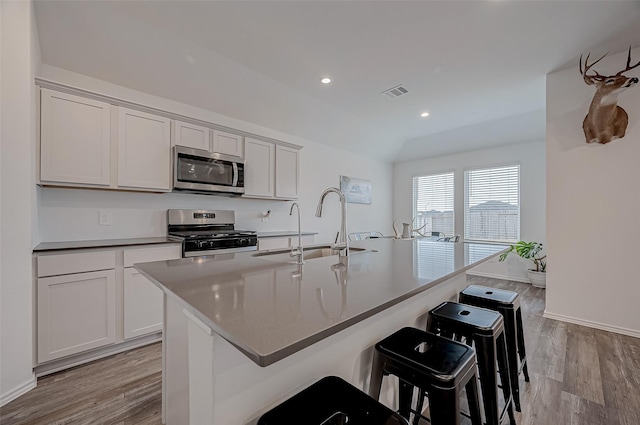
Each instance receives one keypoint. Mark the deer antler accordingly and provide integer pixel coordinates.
(588, 66)
(397, 233)
(629, 67)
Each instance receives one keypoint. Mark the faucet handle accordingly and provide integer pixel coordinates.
(340, 246)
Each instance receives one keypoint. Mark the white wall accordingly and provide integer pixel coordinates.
(19, 62)
(72, 214)
(530, 156)
(593, 200)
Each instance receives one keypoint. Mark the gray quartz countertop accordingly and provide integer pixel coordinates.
(269, 308)
(101, 243)
(282, 233)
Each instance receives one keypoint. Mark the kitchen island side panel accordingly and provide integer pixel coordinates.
(233, 390)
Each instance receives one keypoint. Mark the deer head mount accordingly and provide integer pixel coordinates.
(606, 121)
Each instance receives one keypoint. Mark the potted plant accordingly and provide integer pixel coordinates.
(531, 251)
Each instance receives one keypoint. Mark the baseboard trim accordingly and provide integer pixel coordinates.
(18, 391)
(498, 276)
(591, 324)
(96, 354)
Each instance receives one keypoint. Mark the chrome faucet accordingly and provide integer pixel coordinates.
(297, 252)
(343, 244)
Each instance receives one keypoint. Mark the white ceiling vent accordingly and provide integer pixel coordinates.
(396, 91)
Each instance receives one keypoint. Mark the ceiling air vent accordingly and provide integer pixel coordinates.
(396, 91)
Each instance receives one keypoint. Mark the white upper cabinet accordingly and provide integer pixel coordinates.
(227, 143)
(190, 135)
(144, 151)
(287, 172)
(271, 171)
(259, 173)
(104, 144)
(75, 139)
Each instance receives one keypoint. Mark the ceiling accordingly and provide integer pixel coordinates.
(478, 67)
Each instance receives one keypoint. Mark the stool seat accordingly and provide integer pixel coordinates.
(491, 296)
(485, 330)
(468, 319)
(506, 303)
(331, 401)
(435, 365)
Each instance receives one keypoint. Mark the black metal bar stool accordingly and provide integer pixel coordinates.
(506, 303)
(432, 363)
(485, 330)
(331, 401)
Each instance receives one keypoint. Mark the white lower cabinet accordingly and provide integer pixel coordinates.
(142, 305)
(94, 298)
(143, 301)
(76, 312)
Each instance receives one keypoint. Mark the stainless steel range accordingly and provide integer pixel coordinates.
(206, 232)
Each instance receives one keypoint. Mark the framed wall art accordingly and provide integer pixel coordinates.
(357, 191)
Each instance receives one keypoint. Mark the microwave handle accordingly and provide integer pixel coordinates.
(235, 175)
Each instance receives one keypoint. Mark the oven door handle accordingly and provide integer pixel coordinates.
(235, 175)
(190, 254)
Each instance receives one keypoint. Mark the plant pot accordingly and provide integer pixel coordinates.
(538, 279)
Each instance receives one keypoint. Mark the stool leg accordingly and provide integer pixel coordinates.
(404, 402)
(486, 354)
(445, 408)
(377, 371)
(419, 406)
(503, 367)
(474, 403)
(521, 350)
(512, 353)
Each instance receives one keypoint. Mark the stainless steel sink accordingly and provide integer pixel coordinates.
(326, 252)
(311, 252)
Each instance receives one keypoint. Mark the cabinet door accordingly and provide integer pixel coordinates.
(190, 135)
(76, 312)
(75, 135)
(227, 143)
(259, 170)
(142, 305)
(144, 151)
(287, 172)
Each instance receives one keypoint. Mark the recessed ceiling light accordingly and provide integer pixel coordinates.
(424, 114)
(325, 80)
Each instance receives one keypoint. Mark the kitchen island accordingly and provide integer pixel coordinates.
(245, 331)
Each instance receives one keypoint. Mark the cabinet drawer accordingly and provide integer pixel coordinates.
(54, 265)
(274, 243)
(145, 255)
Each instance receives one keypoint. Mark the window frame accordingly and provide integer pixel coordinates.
(451, 171)
(465, 200)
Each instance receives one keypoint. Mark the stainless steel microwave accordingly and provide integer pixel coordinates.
(202, 171)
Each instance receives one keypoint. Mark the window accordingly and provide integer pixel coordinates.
(492, 204)
(433, 203)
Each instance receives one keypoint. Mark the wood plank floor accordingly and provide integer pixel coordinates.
(579, 376)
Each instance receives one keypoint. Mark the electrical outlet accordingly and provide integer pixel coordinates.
(105, 218)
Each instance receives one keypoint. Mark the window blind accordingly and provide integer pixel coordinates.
(492, 204)
(433, 203)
